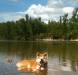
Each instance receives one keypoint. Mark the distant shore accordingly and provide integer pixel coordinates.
(58, 40)
(41, 40)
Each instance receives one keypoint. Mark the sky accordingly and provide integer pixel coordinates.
(12, 10)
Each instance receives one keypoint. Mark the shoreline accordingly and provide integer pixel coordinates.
(58, 40)
(40, 40)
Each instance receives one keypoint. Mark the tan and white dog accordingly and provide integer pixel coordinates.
(40, 63)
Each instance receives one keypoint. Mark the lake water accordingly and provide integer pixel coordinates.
(62, 59)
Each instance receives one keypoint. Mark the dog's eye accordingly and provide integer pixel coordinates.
(38, 54)
(45, 54)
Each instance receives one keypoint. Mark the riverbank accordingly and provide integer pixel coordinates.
(37, 40)
(58, 40)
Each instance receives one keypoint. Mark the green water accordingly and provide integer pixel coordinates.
(62, 57)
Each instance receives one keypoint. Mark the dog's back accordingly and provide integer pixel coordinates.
(29, 65)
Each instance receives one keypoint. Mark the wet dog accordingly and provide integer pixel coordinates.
(40, 63)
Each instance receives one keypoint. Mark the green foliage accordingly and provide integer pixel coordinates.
(23, 29)
(32, 29)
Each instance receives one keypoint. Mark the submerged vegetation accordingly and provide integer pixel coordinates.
(32, 29)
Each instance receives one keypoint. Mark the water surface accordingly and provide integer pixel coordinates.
(62, 60)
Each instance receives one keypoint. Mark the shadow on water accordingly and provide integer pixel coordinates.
(63, 57)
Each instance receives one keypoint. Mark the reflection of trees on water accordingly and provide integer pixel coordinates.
(16, 49)
(69, 57)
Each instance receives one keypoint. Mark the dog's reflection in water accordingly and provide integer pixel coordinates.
(41, 72)
(39, 65)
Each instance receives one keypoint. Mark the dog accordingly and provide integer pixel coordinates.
(40, 63)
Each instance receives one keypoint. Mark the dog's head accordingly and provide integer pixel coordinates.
(41, 55)
(41, 58)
